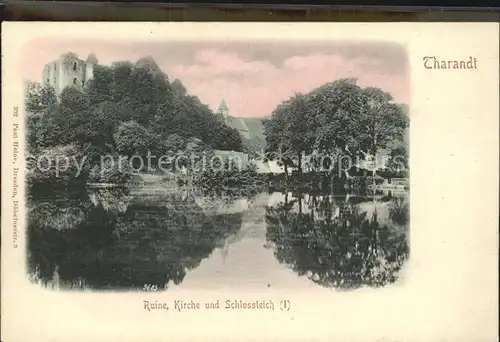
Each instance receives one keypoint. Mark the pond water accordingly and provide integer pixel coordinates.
(122, 239)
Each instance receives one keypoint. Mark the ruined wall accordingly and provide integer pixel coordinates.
(67, 70)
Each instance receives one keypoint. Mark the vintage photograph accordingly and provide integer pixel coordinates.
(153, 165)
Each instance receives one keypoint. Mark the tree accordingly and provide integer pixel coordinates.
(336, 119)
(381, 121)
(196, 150)
(130, 105)
(100, 88)
(173, 146)
(46, 131)
(121, 80)
(41, 105)
(226, 138)
(141, 94)
(174, 143)
(399, 158)
(337, 106)
(297, 135)
(99, 126)
(287, 132)
(40, 99)
(57, 166)
(77, 119)
(314, 122)
(131, 139)
(73, 101)
(178, 87)
(277, 147)
(116, 171)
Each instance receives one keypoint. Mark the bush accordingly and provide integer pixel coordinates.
(399, 211)
(246, 181)
(111, 172)
(358, 183)
(57, 167)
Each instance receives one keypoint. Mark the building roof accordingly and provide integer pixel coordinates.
(237, 123)
(261, 167)
(233, 122)
(268, 167)
(223, 106)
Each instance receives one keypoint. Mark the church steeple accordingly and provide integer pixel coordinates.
(223, 109)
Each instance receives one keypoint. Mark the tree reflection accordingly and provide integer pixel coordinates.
(151, 242)
(336, 245)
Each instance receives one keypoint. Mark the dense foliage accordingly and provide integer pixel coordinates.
(110, 172)
(57, 168)
(338, 118)
(229, 180)
(125, 92)
(127, 108)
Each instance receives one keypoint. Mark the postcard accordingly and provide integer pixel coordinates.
(250, 181)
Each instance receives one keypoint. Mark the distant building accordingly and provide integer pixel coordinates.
(69, 71)
(373, 163)
(233, 122)
(271, 166)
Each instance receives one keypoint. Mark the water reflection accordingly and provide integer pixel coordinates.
(123, 242)
(336, 244)
(125, 238)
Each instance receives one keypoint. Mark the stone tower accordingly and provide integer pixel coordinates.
(89, 67)
(69, 71)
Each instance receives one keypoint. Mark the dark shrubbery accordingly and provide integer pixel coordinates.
(129, 109)
(246, 181)
(399, 211)
(117, 172)
(56, 167)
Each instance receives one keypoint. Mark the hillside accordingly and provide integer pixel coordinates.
(126, 95)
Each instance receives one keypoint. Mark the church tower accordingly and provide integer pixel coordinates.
(223, 110)
(233, 122)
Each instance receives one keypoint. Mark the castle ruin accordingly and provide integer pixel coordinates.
(69, 70)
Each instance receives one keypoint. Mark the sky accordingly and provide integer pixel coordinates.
(253, 77)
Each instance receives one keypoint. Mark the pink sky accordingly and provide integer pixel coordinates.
(252, 76)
